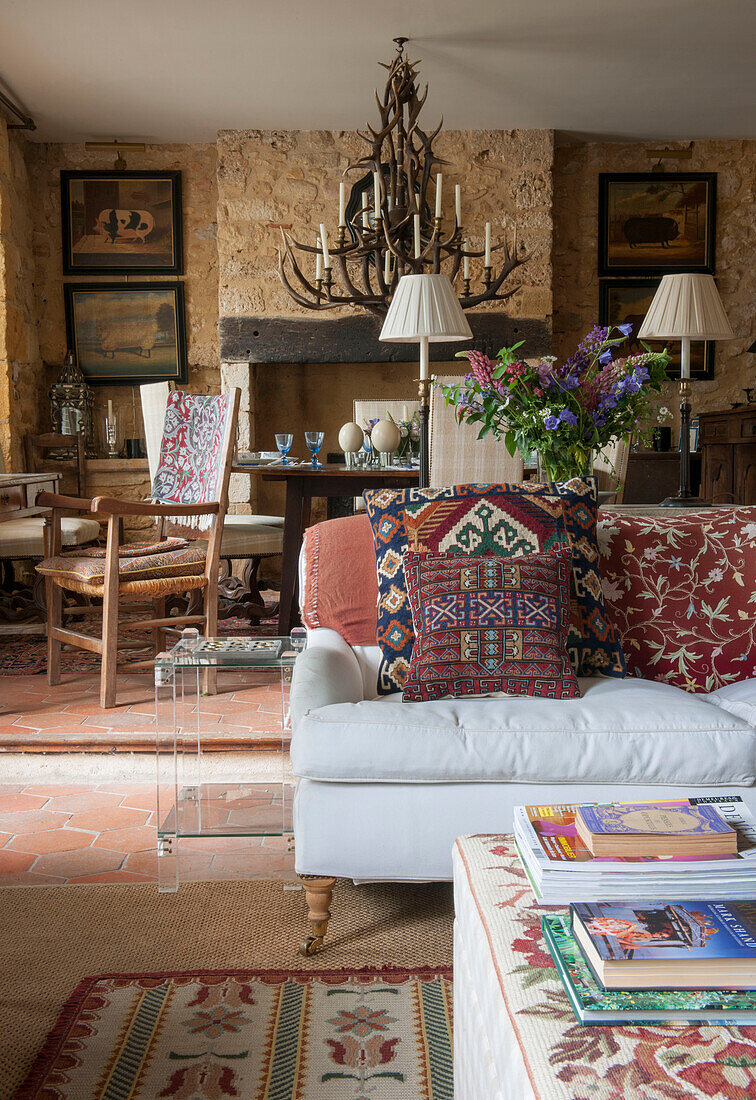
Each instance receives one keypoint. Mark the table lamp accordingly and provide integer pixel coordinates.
(685, 307)
(425, 309)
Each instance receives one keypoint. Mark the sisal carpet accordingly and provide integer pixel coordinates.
(54, 937)
(314, 1035)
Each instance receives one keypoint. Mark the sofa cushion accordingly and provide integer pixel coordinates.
(621, 731)
(484, 623)
(681, 591)
(340, 589)
(533, 508)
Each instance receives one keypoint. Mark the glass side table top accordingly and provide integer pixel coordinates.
(194, 651)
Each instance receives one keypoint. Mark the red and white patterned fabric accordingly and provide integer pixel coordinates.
(191, 454)
(682, 594)
(487, 624)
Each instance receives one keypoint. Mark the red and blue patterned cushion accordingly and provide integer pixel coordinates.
(485, 623)
(501, 519)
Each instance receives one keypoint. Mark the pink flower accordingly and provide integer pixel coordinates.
(481, 366)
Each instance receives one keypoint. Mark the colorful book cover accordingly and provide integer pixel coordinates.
(593, 1004)
(666, 818)
(667, 931)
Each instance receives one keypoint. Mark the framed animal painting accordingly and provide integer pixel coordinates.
(121, 223)
(655, 223)
(626, 301)
(127, 333)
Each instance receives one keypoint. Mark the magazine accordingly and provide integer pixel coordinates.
(548, 836)
(593, 1005)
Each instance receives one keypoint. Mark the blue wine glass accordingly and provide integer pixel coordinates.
(314, 441)
(284, 441)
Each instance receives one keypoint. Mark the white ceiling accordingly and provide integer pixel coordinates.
(180, 70)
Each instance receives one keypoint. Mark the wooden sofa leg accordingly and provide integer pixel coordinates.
(318, 891)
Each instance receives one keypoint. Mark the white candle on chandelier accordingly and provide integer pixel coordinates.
(342, 203)
(377, 194)
(466, 261)
(365, 210)
(487, 261)
(318, 260)
(416, 220)
(439, 179)
(387, 268)
(458, 202)
(324, 243)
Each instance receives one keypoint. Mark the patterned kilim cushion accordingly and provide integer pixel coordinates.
(488, 623)
(132, 549)
(188, 561)
(501, 519)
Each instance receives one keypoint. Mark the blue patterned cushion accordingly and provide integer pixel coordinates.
(487, 624)
(504, 519)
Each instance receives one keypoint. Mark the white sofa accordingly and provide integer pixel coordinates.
(384, 787)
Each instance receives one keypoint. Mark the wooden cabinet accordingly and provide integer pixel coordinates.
(728, 448)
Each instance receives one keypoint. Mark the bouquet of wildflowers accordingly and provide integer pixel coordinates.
(564, 413)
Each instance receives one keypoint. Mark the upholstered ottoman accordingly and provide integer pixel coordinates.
(515, 1036)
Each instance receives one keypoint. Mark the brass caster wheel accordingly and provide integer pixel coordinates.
(310, 945)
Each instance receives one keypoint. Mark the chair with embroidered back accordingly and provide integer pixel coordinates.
(245, 538)
(189, 490)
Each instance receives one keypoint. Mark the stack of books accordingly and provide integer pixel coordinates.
(701, 847)
(657, 962)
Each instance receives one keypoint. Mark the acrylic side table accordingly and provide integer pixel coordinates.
(196, 796)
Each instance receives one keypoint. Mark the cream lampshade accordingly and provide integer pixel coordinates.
(424, 310)
(685, 307)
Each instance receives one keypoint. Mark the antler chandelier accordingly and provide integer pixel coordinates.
(390, 231)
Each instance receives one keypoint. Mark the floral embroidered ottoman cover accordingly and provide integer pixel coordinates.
(515, 1035)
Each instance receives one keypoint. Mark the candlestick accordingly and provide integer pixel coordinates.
(465, 261)
(365, 210)
(324, 243)
(458, 203)
(487, 261)
(416, 220)
(342, 202)
(439, 180)
(318, 259)
(377, 194)
(110, 410)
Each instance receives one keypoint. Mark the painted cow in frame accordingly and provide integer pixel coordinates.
(124, 225)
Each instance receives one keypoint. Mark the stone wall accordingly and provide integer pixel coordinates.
(576, 169)
(20, 363)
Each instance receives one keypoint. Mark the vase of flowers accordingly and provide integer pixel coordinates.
(564, 413)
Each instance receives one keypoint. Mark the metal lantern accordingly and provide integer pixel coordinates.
(71, 404)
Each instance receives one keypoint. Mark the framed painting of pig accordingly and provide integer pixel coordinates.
(121, 223)
(626, 302)
(656, 223)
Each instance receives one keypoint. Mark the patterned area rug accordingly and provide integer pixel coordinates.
(26, 654)
(300, 1035)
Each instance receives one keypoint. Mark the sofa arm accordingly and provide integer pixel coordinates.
(327, 672)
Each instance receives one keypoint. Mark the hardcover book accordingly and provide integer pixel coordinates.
(594, 1005)
(655, 829)
(668, 945)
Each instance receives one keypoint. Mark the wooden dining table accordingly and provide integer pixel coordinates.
(303, 482)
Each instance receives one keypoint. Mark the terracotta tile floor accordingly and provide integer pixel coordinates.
(37, 718)
(72, 834)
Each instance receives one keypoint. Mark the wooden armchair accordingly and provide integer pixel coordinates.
(189, 490)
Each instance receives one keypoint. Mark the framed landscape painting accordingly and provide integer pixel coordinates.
(121, 223)
(656, 223)
(127, 333)
(626, 301)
